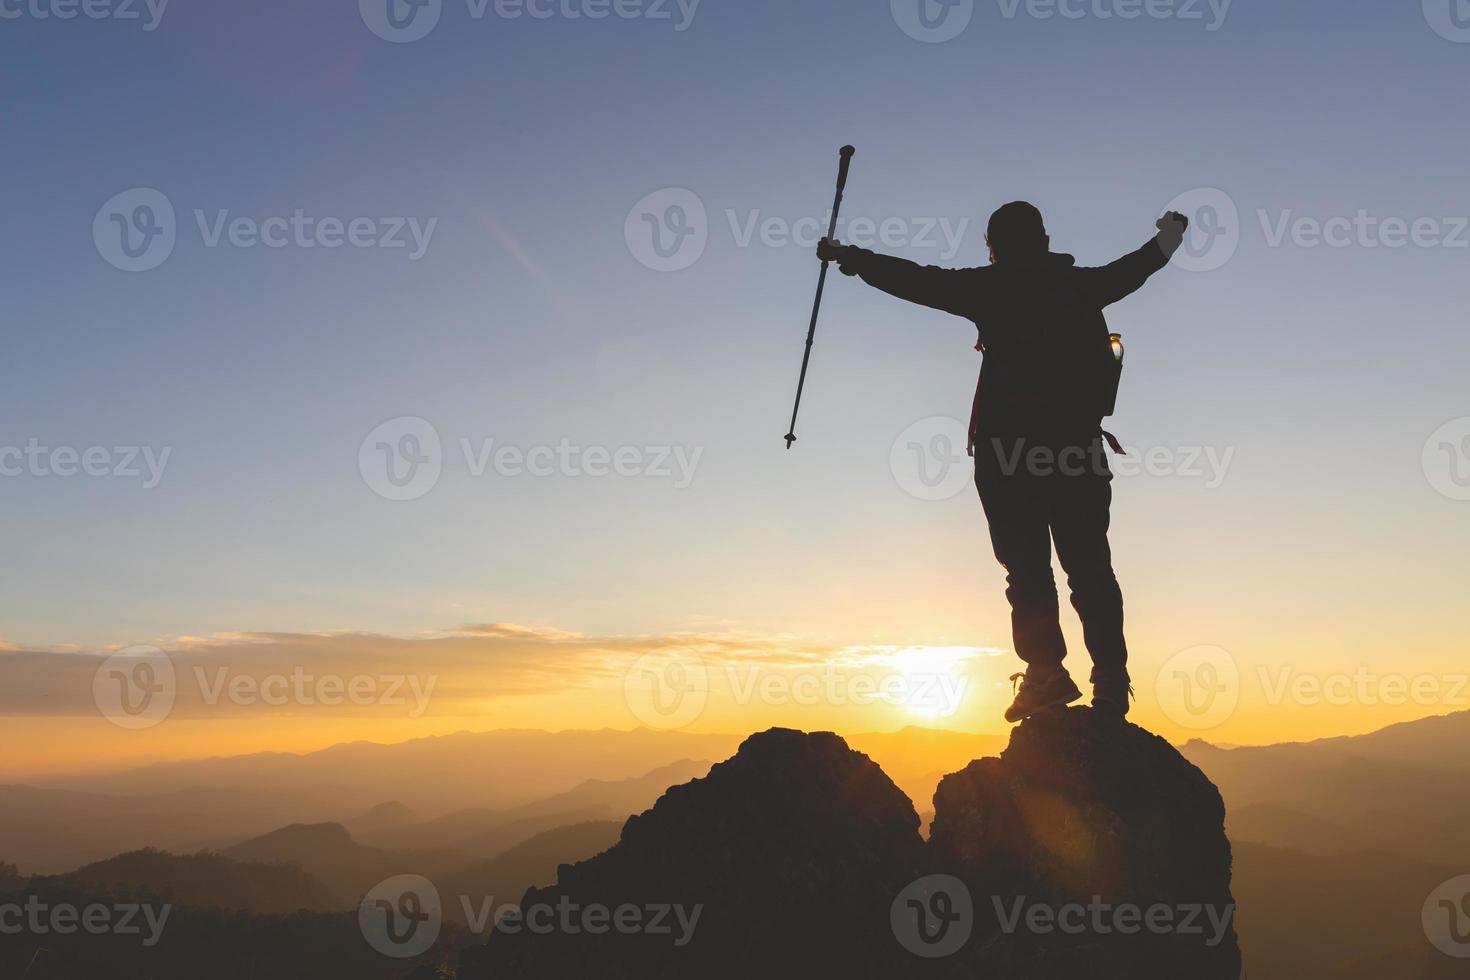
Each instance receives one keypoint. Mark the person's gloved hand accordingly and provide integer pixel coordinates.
(1172, 227)
(831, 250)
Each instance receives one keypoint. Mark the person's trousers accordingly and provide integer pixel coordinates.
(1035, 492)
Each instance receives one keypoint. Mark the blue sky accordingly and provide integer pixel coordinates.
(529, 319)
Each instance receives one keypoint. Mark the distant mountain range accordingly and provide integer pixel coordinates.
(209, 881)
(480, 831)
(1401, 790)
(477, 784)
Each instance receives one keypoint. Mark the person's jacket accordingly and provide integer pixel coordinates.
(1042, 332)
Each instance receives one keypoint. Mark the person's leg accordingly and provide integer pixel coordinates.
(1021, 539)
(1080, 505)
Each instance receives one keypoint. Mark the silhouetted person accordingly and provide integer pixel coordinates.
(1036, 430)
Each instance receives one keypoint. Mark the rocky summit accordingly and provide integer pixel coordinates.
(1090, 849)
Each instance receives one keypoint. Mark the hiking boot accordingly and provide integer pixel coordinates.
(1041, 688)
(1111, 693)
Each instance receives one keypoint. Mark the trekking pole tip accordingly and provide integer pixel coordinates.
(790, 437)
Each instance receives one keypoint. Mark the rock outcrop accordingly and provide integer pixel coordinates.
(784, 857)
(1089, 849)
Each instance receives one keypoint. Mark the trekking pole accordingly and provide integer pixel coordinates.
(845, 155)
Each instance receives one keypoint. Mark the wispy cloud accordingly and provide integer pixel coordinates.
(470, 665)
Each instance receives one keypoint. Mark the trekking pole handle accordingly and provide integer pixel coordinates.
(846, 154)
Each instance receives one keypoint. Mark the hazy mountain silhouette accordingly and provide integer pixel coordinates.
(1402, 789)
(478, 832)
(391, 814)
(506, 876)
(1294, 830)
(328, 851)
(209, 881)
(1351, 917)
(47, 830)
(197, 942)
(800, 855)
(512, 768)
(184, 807)
(1426, 743)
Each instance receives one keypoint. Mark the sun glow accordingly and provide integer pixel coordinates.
(933, 681)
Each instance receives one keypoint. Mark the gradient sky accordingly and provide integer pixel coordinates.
(529, 320)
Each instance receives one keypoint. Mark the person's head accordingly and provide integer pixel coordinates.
(1016, 232)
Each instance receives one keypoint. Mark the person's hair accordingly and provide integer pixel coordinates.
(1016, 229)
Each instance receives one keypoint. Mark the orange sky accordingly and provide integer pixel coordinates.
(298, 692)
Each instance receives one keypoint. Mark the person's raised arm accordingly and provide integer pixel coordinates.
(949, 290)
(1109, 283)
